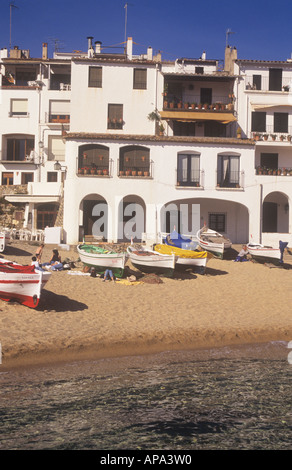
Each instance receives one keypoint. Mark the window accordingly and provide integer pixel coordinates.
(228, 171)
(258, 121)
(26, 178)
(95, 77)
(140, 79)
(257, 82)
(52, 177)
(59, 111)
(206, 95)
(269, 160)
(7, 179)
(115, 116)
(19, 149)
(199, 70)
(56, 150)
(135, 158)
(18, 107)
(275, 79)
(217, 222)
(188, 173)
(280, 122)
(93, 156)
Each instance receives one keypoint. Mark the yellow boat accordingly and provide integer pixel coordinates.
(197, 260)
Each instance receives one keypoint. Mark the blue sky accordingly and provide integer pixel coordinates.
(178, 28)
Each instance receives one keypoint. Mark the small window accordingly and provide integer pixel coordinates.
(115, 116)
(217, 222)
(258, 121)
(140, 79)
(280, 122)
(26, 178)
(95, 77)
(7, 179)
(19, 107)
(199, 70)
(52, 177)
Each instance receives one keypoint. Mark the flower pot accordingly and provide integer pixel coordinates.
(139, 173)
(146, 173)
(86, 171)
(80, 171)
(105, 172)
(93, 171)
(99, 172)
(134, 173)
(121, 173)
(127, 172)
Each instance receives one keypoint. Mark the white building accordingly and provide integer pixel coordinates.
(120, 174)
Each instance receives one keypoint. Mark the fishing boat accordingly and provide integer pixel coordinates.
(212, 241)
(180, 241)
(196, 260)
(101, 259)
(149, 261)
(267, 254)
(20, 283)
(4, 239)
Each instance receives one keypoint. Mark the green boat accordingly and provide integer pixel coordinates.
(101, 259)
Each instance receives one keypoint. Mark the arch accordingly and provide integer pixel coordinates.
(131, 218)
(275, 213)
(94, 209)
(231, 217)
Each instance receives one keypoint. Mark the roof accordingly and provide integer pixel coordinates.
(266, 62)
(157, 138)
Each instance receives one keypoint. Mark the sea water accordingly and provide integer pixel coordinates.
(237, 398)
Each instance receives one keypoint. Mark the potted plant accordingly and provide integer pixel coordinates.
(256, 136)
(146, 173)
(99, 172)
(259, 170)
(265, 136)
(289, 138)
(105, 171)
(273, 136)
(279, 171)
(282, 137)
(284, 171)
(121, 172)
(238, 133)
(81, 171)
(134, 172)
(127, 172)
(86, 170)
(161, 129)
(193, 105)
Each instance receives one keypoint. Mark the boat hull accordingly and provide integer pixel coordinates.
(102, 261)
(22, 287)
(148, 261)
(4, 239)
(186, 259)
(264, 254)
(207, 239)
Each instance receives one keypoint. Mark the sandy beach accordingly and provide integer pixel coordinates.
(81, 317)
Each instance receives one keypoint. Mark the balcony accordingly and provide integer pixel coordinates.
(262, 170)
(271, 136)
(264, 84)
(58, 118)
(193, 103)
(190, 179)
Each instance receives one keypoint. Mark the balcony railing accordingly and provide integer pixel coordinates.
(96, 170)
(271, 136)
(265, 84)
(189, 178)
(194, 103)
(138, 171)
(261, 170)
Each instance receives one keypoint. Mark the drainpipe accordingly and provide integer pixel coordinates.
(261, 212)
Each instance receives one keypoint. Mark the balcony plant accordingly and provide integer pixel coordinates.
(265, 136)
(273, 136)
(282, 137)
(256, 136)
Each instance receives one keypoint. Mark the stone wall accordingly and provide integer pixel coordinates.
(11, 215)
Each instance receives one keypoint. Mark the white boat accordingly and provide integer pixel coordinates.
(4, 239)
(264, 254)
(101, 259)
(196, 260)
(20, 283)
(212, 241)
(149, 261)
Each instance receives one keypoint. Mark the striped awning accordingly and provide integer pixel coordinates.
(225, 118)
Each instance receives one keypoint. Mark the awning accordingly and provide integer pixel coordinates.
(29, 198)
(255, 106)
(225, 118)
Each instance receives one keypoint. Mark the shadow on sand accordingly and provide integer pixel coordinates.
(13, 251)
(59, 303)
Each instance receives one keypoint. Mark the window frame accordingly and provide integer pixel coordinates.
(140, 84)
(217, 226)
(188, 179)
(279, 124)
(256, 124)
(94, 82)
(115, 116)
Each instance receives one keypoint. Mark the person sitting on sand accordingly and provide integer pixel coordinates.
(108, 275)
(36, 264)
(242, 254)
(55, 261)
(39, 252)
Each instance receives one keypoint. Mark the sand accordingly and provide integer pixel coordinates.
(81, 317)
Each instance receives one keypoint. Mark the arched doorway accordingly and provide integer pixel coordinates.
(131, 218)
(276, 213)
(95, 217)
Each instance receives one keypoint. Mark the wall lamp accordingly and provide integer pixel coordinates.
(58, 167)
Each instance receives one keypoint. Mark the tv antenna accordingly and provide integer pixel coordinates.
(11, 6)
(126, 19)
(228, 32)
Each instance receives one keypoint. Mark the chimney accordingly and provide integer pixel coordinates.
(149, 53)
(45, 51)
(204, 56)
(90, 48)
(97, 47)
(130, 48)
(230, 58)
